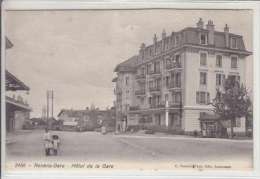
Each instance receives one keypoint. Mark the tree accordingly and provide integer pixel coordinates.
(232, 102)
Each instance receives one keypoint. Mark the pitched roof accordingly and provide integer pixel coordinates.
(73, 113)
(128, 65)
(12, 83)
(8, 43)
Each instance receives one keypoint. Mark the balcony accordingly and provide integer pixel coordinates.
(18, 102)
(154, 72)
(157, 105)
(155, 89)
(140, 92)
(134, 108)
(172, 66)
(140, 76)
(174, 86)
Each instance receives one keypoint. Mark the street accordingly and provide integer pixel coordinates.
(93, 146)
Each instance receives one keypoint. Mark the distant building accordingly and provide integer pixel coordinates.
(86, 119)
(171, 82)
(17, 108)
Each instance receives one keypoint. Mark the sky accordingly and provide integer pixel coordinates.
(74, 52)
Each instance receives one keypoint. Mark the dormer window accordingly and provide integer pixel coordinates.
(203, 39)
(233, 42)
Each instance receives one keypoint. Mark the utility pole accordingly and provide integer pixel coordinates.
(47, 106)
(52, 103)
(50, 97)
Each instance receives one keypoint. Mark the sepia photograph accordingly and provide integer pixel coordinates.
(128, 89)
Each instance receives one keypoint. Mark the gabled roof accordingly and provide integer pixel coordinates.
(8, 43)
(128, 65)
(12, 83)
(73, 113)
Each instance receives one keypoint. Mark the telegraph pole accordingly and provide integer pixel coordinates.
(52, 103)
(50, 106)
(47, 106)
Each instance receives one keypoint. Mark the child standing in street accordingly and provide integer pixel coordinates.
(55, 144)
(47, 142)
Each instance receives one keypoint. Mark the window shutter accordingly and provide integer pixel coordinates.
(208, 98)
(197, 97)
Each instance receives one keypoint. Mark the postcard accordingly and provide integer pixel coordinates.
(126, 91)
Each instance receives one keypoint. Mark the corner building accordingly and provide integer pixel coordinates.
(171, 82)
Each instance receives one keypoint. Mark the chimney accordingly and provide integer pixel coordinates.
(163, 34)
(210, 28)
(155, 39)
(200, 24)
(141, 51)
(163, 39)
(226, 31)
(154, 43)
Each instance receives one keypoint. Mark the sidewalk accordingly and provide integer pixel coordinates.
(178, 137)
(11, 137)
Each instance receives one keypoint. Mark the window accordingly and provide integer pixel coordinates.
(220, 79)
(238, 122)
(176, 97)
(166, 97)
(234, 78)
(150, 84)
(233, 43)
(167, 79)
(150, 100)
(203, 78)
(203, 39)
(177, 40)
(127, 80)
(203, 59)
(219, 61)
(177, 61)
(149, 68)
(202, 97)
(233, 62)
(157, 67)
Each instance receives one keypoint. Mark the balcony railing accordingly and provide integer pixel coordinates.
(173, 66)
(157, 105)
(154, 89)
(154, 72)
(174, 85)
(134, 108)
(140, 92)
(140, 76)
(18, 102)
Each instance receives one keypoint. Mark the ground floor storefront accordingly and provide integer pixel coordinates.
(199, 122)
(16, 115)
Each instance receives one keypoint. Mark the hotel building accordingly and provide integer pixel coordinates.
(172, 81)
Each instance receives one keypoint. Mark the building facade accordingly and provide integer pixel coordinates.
(17, 108)
(171, 82)
(88, 119)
